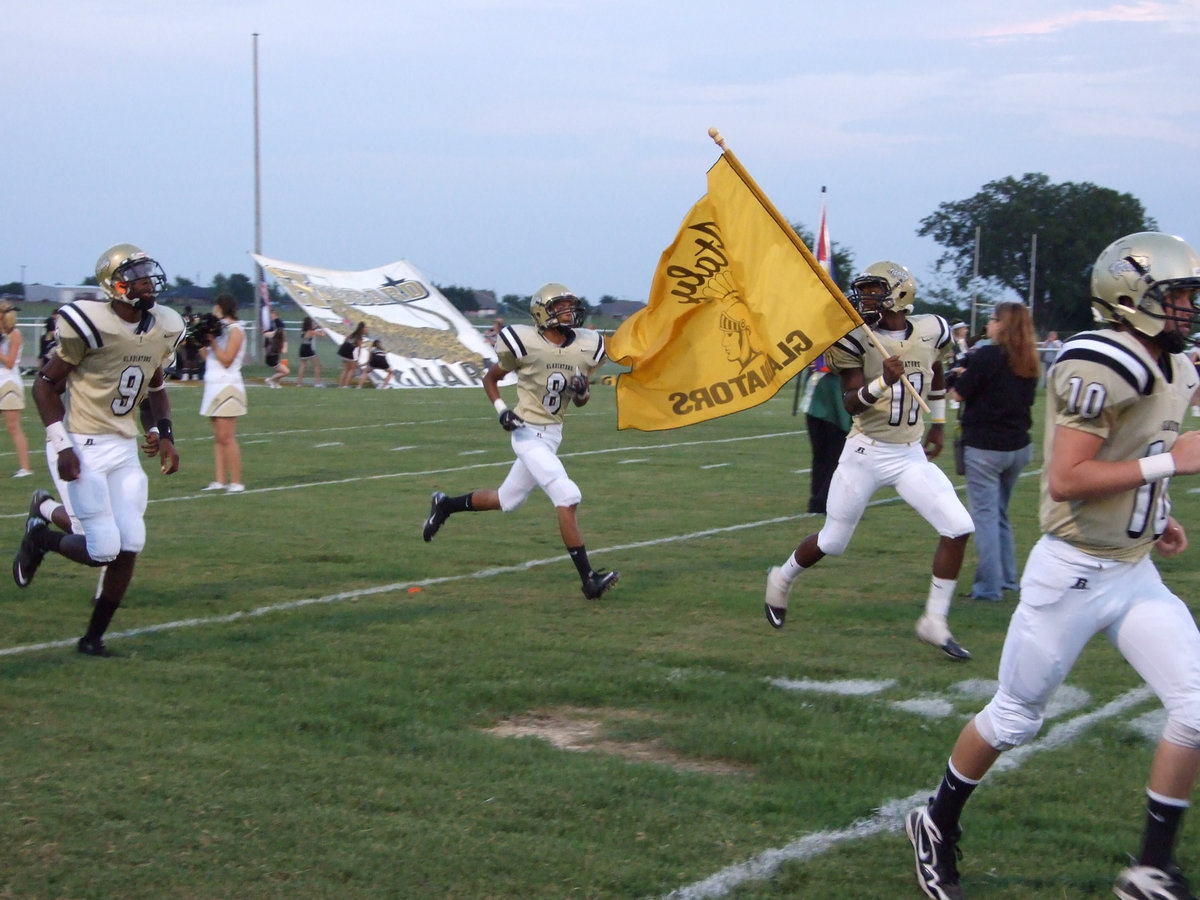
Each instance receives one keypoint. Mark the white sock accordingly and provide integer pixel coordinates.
(941, 592)
(791, 569)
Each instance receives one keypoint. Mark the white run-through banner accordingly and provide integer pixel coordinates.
(428, 341)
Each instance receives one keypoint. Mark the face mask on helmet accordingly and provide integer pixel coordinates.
(1139, 280)
(554, 306)
(119, 270)
(881, 287)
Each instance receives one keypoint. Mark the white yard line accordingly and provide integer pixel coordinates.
(890, 815)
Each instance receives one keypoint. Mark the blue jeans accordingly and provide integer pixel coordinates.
(991, 477)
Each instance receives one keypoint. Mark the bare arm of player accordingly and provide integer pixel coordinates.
(48, 389)
(1076, 474)
(160, 411)
(1173, 540)
(491, 382)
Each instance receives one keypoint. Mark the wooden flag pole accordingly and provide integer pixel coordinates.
(817, 268)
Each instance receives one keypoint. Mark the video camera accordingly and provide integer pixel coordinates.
(203, 328)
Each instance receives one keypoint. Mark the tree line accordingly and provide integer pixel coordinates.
(1073, 222)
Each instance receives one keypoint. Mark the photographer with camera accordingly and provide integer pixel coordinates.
(223, 346)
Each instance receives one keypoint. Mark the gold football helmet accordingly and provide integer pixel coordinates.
(1130, 280)
(547, 309)
(121, 265)
(895, 289)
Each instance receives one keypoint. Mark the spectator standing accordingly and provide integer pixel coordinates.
(12, 388)
(828, 423)
(188, 364)
(1049, 350)
(996, 389)
(348, 351)
(309, 332)
(225, 395)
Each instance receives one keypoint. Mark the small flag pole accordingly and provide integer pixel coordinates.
(719, 140)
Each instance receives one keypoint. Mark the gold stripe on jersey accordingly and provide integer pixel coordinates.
(544, 369)
(895, 418)
(1107, 384)
(113, 361)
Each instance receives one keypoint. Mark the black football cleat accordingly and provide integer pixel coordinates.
(92, 647)
(777, 597)
(1149, 883)
(29, 554)
(597, 583)
(35, 505)
(933, 630)
(437, 515)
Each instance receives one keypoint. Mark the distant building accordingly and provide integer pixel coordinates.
(61, 293)
(620, 309)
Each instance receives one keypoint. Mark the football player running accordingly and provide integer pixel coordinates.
(110, 355)
(1115, 401)
(554, 360)
(888, 445)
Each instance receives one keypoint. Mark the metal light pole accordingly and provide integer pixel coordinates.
(1032, 271)
(975, 279)
(258, 272)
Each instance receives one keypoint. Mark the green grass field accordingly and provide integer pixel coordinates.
(310, 702)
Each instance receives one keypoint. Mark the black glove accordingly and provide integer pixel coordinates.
(579, 385)
(510, 421)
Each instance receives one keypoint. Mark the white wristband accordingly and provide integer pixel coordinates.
(56, 436)
(500, 405)
(937, 411)
(864, 398)
(878, 387)
(1157, 467)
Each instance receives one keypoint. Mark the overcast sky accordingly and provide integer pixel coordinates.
(505, 143)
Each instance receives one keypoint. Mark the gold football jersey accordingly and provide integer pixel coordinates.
(544, 369)
(1107, 384)
(114, 361)
(895, 418)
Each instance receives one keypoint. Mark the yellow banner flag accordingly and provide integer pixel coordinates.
(737, 308)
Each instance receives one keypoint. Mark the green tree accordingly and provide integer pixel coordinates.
(239, 285)
(461, 298)
(515, 304)
(843, 260)
(1073, 223)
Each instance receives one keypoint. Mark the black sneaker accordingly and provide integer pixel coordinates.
(597, 583)
(29, 554)
(777, 597)
(1150, 883)
(92, 647)
(937, 856)
(437, 515)
(35, 505)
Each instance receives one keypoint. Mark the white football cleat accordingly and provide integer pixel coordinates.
(934, 630)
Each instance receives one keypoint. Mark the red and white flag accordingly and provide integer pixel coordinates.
(824, 252)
